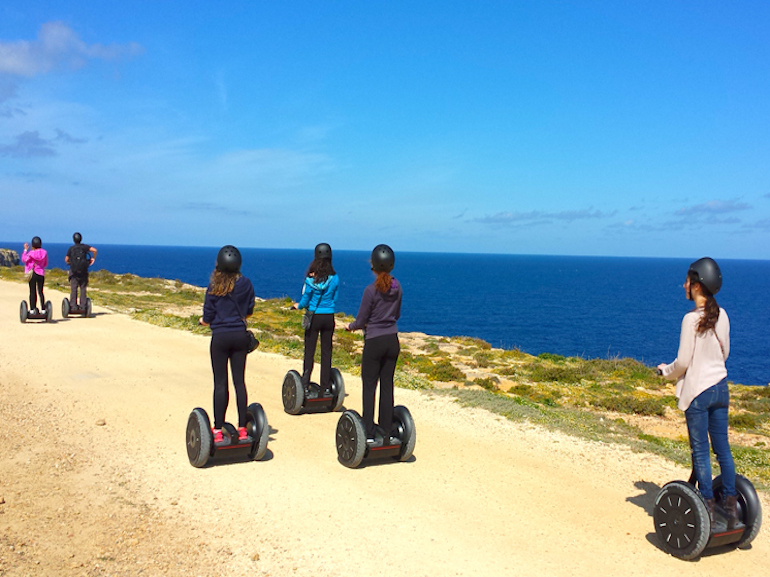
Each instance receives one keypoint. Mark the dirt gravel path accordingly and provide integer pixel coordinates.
(94, 477)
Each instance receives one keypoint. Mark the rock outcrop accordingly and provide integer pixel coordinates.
(8, 257)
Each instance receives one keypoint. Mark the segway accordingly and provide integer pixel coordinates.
(311, 399)
(682, 520)
(201, 448)
(353, 447)
(45, 315)
(73, 309)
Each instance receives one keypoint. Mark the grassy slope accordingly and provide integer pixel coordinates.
(595, 399)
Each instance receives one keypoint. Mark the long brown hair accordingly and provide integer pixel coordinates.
(321, 269)
(710, 310)
(222, 283)
(383, 281)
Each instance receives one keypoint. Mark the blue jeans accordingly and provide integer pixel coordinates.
(707, 417)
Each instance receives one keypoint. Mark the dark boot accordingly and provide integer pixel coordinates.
(730, 505)
(710, 505)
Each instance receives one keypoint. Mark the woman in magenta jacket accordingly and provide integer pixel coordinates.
(35, 261)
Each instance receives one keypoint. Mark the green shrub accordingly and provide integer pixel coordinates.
(489, 383)
(744, 421)
(552, 357)
(445, 371)
(482, 359)
(632, 404)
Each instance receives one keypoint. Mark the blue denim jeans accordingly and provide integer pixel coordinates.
(707, 417)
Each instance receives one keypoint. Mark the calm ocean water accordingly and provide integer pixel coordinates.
(594, 307)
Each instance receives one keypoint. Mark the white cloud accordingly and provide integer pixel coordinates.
(28, 144)
(57, 45)
(713, 207)
(543, 216)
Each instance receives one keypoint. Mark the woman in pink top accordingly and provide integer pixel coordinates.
(35, 261)
(701, 387)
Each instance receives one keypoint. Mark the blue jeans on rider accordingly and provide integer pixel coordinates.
(707, 417)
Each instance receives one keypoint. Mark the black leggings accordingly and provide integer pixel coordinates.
(378, 362)
(36, 286)
(322, 324)
(232, 346)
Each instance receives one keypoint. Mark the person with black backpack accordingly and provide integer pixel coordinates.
(79, 257)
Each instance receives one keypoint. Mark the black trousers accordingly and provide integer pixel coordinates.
(322, 325)
(80, 282)
(230, 346)
(378, 363)
(36, 286)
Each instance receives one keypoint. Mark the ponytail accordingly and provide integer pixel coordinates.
(710, 310)
(383, 281)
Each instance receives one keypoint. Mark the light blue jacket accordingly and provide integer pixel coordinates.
(325, 291)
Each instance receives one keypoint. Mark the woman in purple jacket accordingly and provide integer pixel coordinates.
(229, 302)
(35, 261)
(380, 309)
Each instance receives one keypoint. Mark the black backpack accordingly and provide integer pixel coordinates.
(79, 259)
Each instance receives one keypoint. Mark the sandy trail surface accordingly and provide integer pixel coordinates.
(95, 480)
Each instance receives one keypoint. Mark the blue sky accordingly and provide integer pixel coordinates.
(576, 128)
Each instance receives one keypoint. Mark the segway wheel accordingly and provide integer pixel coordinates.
(681, 520)
(65, 308)
(292, 393)
(258, 430)
(338, 389)
(88, 308)
(199, 438)
(48, 311)
(749, 508)
(406, 431)
(23, 312)
(351, 439)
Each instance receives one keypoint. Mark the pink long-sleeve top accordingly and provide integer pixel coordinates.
(35, 260)
(700, 362)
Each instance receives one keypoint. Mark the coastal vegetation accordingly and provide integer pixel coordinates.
(616, 400)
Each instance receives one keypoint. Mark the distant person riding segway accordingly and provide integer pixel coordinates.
(35, 261)
(79, 257)
(319, 298)
(726, 510)
(228, 303)
(394, 435)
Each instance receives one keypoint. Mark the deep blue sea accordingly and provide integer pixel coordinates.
(594, 307)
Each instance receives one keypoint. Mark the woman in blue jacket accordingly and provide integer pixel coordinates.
(229, 302)
(319, 297)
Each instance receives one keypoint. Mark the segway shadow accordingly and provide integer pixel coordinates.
(45, 315)
(202, 450)
(311, 399)
(682, 521)
(353, 448)
(72, 309)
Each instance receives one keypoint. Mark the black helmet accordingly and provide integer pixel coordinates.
(77, 237)
(383, 258)
(323, 250)
(36, 242)
(708, 273)
(229, 259)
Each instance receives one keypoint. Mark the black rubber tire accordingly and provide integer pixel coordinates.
(23, 312)
(350, 439)
(65, 308)
(88, 308)
(407, 432)
(258, 430)
(749, 508)
(48, 312)
(338, 390)
(199, 438)
(681, 520)
(293, 393)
